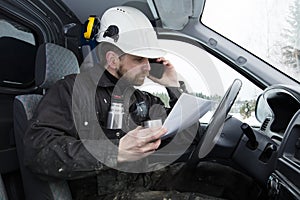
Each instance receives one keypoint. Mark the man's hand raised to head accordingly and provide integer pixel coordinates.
(169, 78)
(139, 143)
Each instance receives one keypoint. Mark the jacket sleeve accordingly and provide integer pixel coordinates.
(53, 148)
(175, 92)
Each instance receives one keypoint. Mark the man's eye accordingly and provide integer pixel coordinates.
(140, 59)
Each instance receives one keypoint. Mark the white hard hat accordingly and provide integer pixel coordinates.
(131, 31)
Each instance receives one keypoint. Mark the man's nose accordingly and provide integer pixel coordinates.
(147, 66)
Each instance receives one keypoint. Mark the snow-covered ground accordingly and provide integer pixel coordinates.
(251, 120)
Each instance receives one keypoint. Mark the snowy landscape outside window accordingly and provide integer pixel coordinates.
(270, 29)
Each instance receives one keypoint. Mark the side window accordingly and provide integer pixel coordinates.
(17, 59)
(244, 106)
(207, 77)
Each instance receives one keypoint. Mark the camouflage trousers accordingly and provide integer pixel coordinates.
(178, 181)
(158, 195)
(156, 185)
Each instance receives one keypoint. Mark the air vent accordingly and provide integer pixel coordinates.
(265, 124)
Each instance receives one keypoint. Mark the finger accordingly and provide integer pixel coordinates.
(157, 135)
(144, 132)
(160, 59)
(166, 62)
(152, 133)
(150, 147)
(135, 132)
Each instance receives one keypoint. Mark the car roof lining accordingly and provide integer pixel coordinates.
(184, 9)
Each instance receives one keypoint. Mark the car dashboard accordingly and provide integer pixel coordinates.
(275, 108)
(278, 110)
(275, 159)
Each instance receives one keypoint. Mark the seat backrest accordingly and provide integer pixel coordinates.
(53, 62)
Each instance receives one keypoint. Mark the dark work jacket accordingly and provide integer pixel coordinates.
(65, 138)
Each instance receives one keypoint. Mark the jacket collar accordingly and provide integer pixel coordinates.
(101, 77)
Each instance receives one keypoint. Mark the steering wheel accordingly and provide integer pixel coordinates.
(215, 126)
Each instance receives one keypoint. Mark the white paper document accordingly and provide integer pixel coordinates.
(187, 111)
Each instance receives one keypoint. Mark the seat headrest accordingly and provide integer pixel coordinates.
(53, 62)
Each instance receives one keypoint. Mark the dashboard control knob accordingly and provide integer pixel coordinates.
(273, 186)
(268, 152)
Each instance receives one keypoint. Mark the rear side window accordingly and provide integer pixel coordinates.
(17, 58)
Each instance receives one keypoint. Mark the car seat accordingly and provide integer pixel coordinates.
(53, 62)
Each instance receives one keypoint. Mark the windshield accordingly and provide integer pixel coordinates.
(270, 29)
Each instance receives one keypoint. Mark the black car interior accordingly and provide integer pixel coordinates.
(254, 162)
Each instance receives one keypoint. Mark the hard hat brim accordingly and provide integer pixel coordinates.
(147, 52)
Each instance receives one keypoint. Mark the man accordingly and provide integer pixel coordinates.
(70, 136)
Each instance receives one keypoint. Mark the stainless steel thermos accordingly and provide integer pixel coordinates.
(115, 116)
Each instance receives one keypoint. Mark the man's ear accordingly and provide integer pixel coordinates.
(112, 60)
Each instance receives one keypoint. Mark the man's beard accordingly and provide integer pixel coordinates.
(136, 80)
